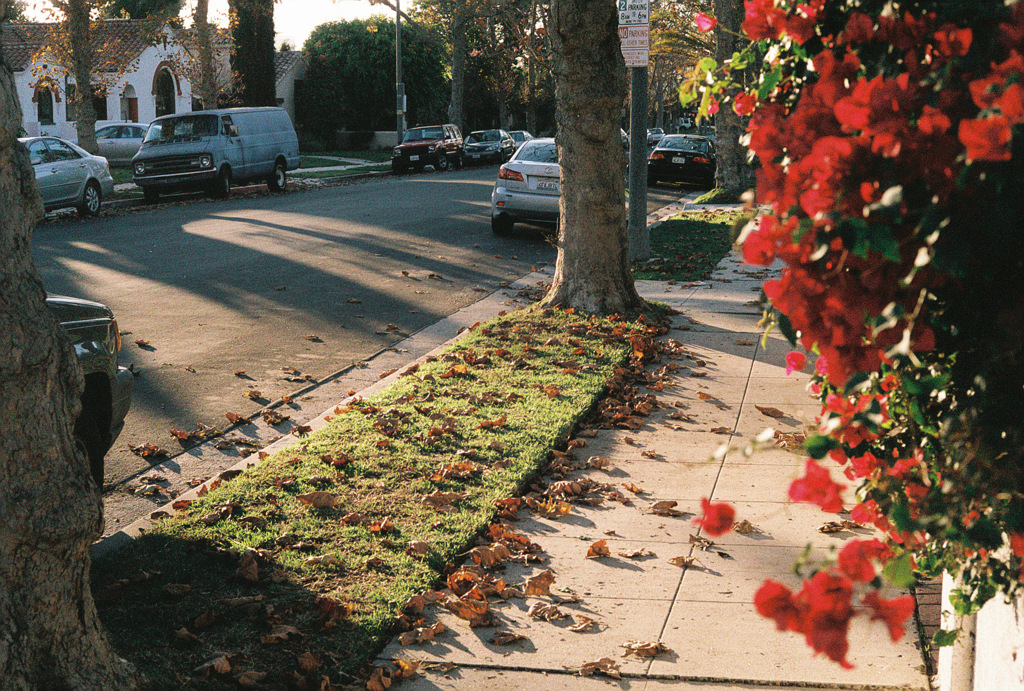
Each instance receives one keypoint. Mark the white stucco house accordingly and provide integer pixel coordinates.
(134, 81)
(289, 71)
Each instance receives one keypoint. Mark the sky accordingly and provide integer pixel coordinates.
(294, 19)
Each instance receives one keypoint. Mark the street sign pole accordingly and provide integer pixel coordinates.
(639, 236)
(634, 40)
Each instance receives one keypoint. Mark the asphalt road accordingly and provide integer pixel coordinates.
(262, 293)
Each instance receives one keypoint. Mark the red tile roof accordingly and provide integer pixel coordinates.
(116, 41)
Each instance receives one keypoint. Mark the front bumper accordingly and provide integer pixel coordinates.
(121, 388)
(197, 179)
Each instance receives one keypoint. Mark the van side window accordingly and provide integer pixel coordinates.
(225, 124)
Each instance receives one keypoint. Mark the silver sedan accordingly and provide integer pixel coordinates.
(527, 188)
(118, 143)
(68, 175)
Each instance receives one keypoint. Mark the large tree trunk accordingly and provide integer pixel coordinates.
(50, 510)
(592, 271)
(207, 73)
(457, 108)
(733, 173)
(81, 57)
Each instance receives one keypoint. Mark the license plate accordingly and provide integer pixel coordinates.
(679, 159)
(414, 158)
(547, 186)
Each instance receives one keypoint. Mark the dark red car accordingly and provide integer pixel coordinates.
(437, 145)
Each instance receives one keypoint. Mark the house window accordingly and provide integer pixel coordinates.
(99, 104)
(164, 95)
(44, 107)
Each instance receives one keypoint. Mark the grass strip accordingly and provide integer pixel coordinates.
(689, 246)
(378, 155)
(719, 195)
(298, 568)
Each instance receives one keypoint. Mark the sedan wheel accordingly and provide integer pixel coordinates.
(92, 198)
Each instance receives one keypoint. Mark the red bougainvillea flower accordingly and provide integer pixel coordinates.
(857, 557)
(717, 518)
(987, 139)
(953, 41)
(744, 104)
(827, 616)
(893, 612)
(795, 361)
(817, 487)
(1017, 544)
(713, 108)
(706, 23)
(775, 601)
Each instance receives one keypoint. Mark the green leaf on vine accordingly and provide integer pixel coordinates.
(986, 533)
(900, 571)
(943, 638)
(768, 83)
(707, 65)
(819, 445)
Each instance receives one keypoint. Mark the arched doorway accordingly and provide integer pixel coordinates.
(129, 104)
(164, 92)
(44, 106)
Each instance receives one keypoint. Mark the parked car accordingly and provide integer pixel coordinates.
(68, 175)
(93, 332)
(520, 137)
(654, 136)
(527, 188)
(214, 149)
(437, 145)
(490, 146)
(119, 143)
(683, 158)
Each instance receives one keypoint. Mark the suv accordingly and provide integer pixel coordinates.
(93, 332)
(436, 145)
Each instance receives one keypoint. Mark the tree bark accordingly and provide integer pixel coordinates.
(82, 57)
(592, 271)
(50, 510)
(207, 73)
(457, 107)
(732, 173)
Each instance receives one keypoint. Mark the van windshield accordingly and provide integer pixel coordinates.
(183, 127)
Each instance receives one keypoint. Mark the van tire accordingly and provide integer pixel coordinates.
(222, 185)
(278, 180)
(92, 199)
(150, 195)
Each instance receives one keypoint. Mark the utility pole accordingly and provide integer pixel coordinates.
(399, 86)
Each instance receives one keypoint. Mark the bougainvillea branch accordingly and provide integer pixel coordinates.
(887, 138)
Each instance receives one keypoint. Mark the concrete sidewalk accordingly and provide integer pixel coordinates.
(703, 615)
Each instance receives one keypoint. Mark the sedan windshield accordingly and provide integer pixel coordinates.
(423, 134)
(682, 144)
(183, 127)
(538, 152)
(488, 136)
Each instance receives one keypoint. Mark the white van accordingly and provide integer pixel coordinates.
(214, 149)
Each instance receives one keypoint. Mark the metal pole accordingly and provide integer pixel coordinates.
(639, 236)
(399, 86)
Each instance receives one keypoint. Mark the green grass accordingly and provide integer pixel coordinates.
(376, 155)
(719, 195)
(690, 244)
(496, 402)
(121, 175)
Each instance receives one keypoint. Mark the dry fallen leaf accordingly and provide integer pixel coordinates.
(682, 562)
(598, 462)
(701, 542)
(666, 508)
(506, 638)
(583, 623)
(769, 411)
(599, 549)
(838, 526)
(605, 665)
(744, 527)
(318, 500)
(540, 585)
(219, 664)
(545, 611)
(643, 648)
(637, 553)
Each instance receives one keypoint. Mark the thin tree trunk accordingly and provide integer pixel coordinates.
(592, 270)
(207, 73)
(456, 107)
(732, 173)
(81, 57)
(50, 510)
